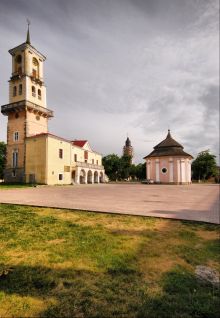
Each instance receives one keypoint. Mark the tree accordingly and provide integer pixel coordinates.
(121, 168)
(141, 171)
(2, 158)
(204, 166)
(124, 168)
(112, 165)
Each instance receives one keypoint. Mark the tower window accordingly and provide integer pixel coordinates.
(16, 136)
(35, 61)
(35, 70)
(60, 153)
(39, 94)
(15, 159)
(18, 59)
(33, 91)
(14, 90)
(20, 89)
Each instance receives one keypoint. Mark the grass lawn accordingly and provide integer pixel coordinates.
(61, 263)
(4, 186)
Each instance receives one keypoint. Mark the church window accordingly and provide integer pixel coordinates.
(14, 90)
(20, 89)
(18, 59)
(75, 157)
(60, 176)
(93, 161)
(13, 173)
(33, 91)
(39, 94)
(16, 136)
(60, 153)
(35, 61)
(97, 162)
(35, 70)
(15, 159)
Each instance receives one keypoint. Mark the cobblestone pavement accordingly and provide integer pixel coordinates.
(192, 202)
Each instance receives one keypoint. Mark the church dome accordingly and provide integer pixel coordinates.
(168, 147)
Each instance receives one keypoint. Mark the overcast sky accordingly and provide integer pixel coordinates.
(122, 66)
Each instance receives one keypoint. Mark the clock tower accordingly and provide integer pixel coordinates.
(27, 109)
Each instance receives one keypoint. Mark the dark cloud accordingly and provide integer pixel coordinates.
(117, 67)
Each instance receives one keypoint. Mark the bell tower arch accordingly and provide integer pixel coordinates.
(27, 109)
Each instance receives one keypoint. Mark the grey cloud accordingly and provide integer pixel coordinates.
(136, 66)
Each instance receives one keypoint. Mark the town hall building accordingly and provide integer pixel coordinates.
(33, 154)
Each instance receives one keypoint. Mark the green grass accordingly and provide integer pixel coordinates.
(60, 263)
(4, 186)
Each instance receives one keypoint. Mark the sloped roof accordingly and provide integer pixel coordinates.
(168, 147)
(79, 143)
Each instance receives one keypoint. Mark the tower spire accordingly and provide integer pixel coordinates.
(28, 40)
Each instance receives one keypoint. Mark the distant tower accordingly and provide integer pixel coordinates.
(128, 149)
(27, 110)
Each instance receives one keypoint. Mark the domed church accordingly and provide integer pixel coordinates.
(168, 163)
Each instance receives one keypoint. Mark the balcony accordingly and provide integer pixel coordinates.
(24, 104)
(88, 165)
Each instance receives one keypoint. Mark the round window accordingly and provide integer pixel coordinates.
(164, 170)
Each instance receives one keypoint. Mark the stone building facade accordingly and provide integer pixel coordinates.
(33, 154)
(168, 163)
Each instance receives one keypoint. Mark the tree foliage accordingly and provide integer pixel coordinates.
(2, 158)
(204, 166)
(121, 168)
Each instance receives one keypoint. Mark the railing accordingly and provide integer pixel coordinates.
(88, 165)
(17, 105)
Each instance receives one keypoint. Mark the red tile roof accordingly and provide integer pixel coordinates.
(79, 143)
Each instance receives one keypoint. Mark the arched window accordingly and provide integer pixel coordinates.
(35, 68)
(18, 61)
(39, 93)
(33, 91)
(20, 89)
(14, 90)
(35, 61)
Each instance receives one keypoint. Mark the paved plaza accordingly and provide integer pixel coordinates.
(192, 202)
